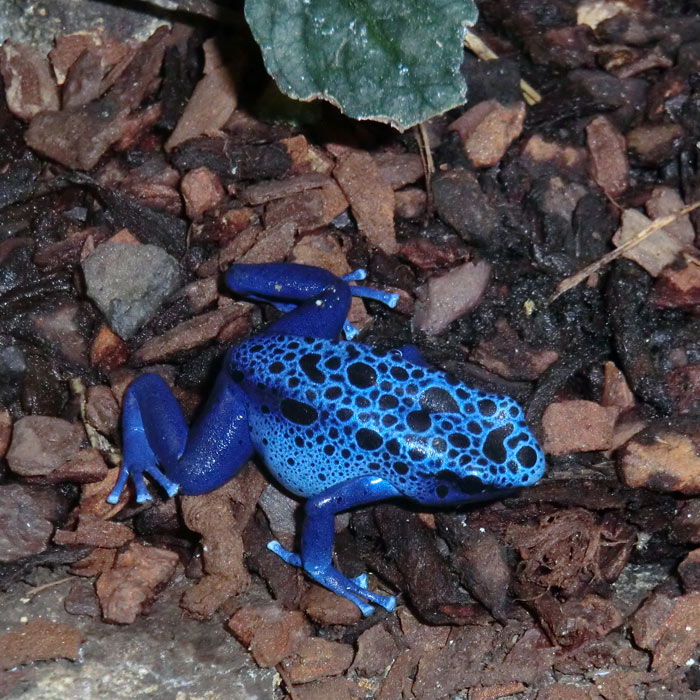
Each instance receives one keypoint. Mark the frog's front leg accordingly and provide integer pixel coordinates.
(194, 460)
(317, 538)
(315, 301)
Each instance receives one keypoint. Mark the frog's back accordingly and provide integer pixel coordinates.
(323, 412)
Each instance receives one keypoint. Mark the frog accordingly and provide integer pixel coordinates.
(337, 423)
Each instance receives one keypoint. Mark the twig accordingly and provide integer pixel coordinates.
(39, 589)
(654, 226)
(426, 156)
(477, 46)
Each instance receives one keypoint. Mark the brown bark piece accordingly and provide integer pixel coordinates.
(95, 563)
(654, 253)
(39, 640)
(213, 101)
(445, 298)
(272, 245)
(309, 210)
(662, 460)
(41, 444)
(30, 87)
(69, 47)
(326, 607)
(220, 518)
(678, 288)
(317, 658)
(86, 467)
(664, 201)
(264, 192)
(189, 334)
(376, 651)
(488, 129)
(127, 590)
(540, 155)
(201, 190)
(5, 431)
(270, 632)
(689, 571)
(371, 198)
(669, 628)
(609, 165)
(102, 409)
(616, 391)
(97, 532)
(108, 350)
(331, 689)
(25, 521)
(578, 426)
(399, 169)
(654, 144)
(494, 692)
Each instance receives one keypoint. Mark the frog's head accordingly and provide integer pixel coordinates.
(488, 452)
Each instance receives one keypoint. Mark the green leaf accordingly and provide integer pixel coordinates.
(395, 61)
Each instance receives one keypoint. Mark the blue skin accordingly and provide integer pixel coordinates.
(340, 424)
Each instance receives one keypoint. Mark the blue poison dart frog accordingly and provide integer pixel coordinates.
(338, 423)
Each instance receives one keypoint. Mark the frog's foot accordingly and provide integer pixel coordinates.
(136, 474)
(354, 589)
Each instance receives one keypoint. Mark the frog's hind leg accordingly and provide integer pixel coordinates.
(194, 460)
(317, 539)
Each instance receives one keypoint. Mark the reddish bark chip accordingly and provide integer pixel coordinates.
(270, 632)
(616, 391)
(264, 192)
(371, 198)
(69, 47)
(309, 210)
(41, 444)
(669, 628)
(609, 166)
(108, 350)
(88, 466)
(5, 431)
(399, 169)
(338, 688)
(102, 409)
(376, 651)
(678, 288)
(96, 532)
(127, 590)
(328, 608)
(25, 525)
(272, 245)
(39, 640)
(578, 426)
(189, 334)
(447, 297)
(201, 190)
(540, 156)
(689, 571)
(30, 87)
(317, 658)
(209, 108)
(654, 144)
(663, 460)
(488, 129)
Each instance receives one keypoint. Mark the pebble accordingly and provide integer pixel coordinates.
(129, 282)
(41, 444)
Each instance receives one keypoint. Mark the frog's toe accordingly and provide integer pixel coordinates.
(360, 580)
(136, 475)
(282, 553)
